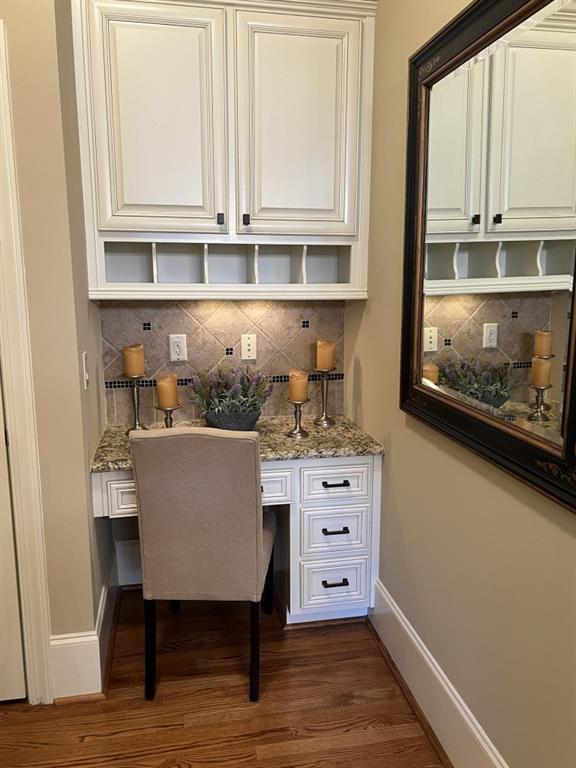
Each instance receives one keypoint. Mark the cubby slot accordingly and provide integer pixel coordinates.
(230, 264)
(519, 258)
(128, 262)
(476, 260)
(280, 264)
(557, 257)
(180, 262)
(440, 261)
(327, 264)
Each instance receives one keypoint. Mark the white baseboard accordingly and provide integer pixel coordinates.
(466, 743)
(78, 659)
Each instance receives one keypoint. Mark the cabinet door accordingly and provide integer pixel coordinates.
(455, 148)
(158, 113)
(298, 86)
(532, 180)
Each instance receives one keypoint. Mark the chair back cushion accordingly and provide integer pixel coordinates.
(200, 513)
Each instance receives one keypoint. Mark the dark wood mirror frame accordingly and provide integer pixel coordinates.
(547, 467)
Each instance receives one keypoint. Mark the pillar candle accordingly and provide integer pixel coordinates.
(540, 372)
(431, 372)
(134, 360)
(543, 341)
(325, 355)
(167, 391)
(297, 385)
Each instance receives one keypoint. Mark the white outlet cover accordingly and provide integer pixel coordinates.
(490, 336)
(430, 340)
(248, 346)
(178, 347)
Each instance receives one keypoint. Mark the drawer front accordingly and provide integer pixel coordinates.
(122, 498)
(334, 583)
(328, 483)
(276, 487)
(332, 530)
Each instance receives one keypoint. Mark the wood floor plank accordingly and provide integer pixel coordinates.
(328, 700)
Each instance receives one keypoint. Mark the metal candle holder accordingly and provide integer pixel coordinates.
(168, 420)
(136, 402)
(324, 420)
(538, 414)
(298, 433)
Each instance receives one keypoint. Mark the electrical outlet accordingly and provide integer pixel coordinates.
(248, 346)
(85, 369)
(430, 340)
(490, 336)
(178, 347)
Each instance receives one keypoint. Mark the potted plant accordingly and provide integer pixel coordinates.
(230, 398)
(482, 381)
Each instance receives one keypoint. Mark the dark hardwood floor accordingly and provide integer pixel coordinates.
(328, 700)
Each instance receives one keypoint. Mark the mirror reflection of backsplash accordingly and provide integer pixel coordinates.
(460, 320)
(286, 334)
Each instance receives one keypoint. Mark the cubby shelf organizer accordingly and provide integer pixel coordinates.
(499, 266)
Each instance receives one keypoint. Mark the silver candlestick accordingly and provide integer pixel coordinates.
(136, 402)
(324, 420)
(168, 420)
(538, 415)
(298, 433)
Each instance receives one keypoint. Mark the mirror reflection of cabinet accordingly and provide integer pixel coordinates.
(533, 135)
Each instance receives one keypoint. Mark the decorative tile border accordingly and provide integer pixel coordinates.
(147, 383)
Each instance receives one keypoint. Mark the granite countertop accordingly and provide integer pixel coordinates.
(345, 438)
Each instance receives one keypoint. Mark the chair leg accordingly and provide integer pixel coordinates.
(268, 596)
(175, 607)
(254, 651)
(150, 649)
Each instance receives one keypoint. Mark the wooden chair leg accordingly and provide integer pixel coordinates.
(254, 651)
(150, 649)
(175, 607)
(268, 596)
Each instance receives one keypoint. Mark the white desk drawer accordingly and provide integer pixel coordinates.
(335, 582)
(276, 486)
(337, 482)
(122, 498)
(331, 530)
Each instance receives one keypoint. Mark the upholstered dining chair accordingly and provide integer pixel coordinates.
(203, 535)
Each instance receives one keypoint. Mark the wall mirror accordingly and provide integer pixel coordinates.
(488, 348)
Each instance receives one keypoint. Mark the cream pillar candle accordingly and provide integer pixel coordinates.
(431, 372)
(167, 391)
(134, 360)
(541, 370)
(297, 385)
(543, 341)
(325, 355)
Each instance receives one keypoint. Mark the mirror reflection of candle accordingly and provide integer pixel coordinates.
(134, 360)
(543, 341)
(540, 372)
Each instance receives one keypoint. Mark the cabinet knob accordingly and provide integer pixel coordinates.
(220, 218)
(476, 218)
(246, 219)
(497, 218)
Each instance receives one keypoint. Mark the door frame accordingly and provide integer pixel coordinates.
(20, 416)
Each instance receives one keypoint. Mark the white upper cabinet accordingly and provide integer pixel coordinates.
(298, 84)
(455, 147)
(532, 174)
(158, 116)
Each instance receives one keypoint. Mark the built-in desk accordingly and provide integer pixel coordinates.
(326, 560)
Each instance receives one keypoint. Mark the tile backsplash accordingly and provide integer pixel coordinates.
(286, 334)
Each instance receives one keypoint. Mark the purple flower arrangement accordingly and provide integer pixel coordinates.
(228, 391)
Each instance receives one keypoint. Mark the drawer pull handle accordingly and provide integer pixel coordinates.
(343, 484)
(343, 583)
(342, 532)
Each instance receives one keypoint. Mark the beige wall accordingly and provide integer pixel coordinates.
(483, 567)
(62, 324)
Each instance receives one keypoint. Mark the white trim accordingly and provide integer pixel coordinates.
(466, 743)
(75, 664)
(21, 415)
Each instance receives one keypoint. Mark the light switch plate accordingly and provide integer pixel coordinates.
(85, 369)
(248, 346)
(178, 347)
(430, 340)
